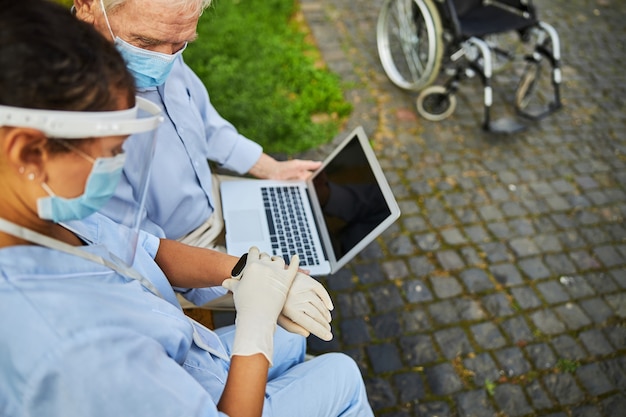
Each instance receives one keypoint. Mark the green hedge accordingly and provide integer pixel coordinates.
(262, 75)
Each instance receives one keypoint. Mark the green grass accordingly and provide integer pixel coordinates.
(262, 75)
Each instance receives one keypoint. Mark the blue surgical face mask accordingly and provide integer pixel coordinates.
(149, 68)
(100, 187)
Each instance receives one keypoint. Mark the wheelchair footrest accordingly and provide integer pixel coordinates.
(506, 125)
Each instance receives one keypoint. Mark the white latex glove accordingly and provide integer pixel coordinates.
(259, 293)
(307, 309)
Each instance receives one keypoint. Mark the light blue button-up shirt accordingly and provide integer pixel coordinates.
(81, 340)
(180, 195)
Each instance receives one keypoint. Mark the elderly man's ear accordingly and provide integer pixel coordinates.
(85, 10)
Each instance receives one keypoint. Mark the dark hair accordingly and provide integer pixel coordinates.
(51, 60)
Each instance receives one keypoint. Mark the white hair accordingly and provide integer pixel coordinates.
(191, 4)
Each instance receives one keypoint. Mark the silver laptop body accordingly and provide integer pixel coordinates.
(327, 219)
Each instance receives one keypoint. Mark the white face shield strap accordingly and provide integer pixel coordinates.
(80, 125)
(141, 120)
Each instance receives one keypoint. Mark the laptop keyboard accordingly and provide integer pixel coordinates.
(289, 231)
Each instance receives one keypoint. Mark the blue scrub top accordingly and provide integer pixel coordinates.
(80, 339)
(180, 194)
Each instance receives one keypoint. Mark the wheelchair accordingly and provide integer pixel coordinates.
(419, 39)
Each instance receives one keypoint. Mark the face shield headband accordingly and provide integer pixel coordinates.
(141, 121)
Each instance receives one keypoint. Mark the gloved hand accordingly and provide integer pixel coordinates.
(307, 309)
(259, 294)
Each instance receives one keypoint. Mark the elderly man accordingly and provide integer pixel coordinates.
(183, 199)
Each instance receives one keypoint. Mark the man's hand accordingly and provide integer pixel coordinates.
(307, 309)
(294, 169)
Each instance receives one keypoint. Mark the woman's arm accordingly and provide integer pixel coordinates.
(192, 267)
(244, 392)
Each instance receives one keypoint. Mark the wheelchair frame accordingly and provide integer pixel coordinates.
(426, 29)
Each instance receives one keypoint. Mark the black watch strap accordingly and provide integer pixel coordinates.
(241, 264)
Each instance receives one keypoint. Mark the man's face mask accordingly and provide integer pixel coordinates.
(149, 68)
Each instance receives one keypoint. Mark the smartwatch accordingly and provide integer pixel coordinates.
(241, 264)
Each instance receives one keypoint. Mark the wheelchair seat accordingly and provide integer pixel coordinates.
(414, 37)
(489, 20)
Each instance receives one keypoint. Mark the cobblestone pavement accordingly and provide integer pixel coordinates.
(501, 291)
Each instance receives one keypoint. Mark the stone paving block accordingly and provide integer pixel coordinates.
(600, 282)
(488, 335)
(476, 280)
(474, 403)
(594, 380)
(572, 315)
(525, 298)
(450, 260)
(497, 305)
(414, 223)
(369, 273)
(427, 241)
(517, 330)
(384, 357)
(395, 269)
(401, 245)
(541, 355)
(446, 287)
(552, 292)
(587, 411)
(512, 361)
(510, 399)
(418, 350)
(617, 336)
(567, 347)
(444, 312)
(410, 386)
(595, 342)
(380, 393)
(386, 298)
(584, 260)
(483, 368)
(453, 236)
(355, 331)
(432, 408)
(506, 274)
(442, 379)
(560, 264)
(547, 322)
(386, 326)
(453, 342)
(495, 252)
(471, 256)
(563, 388)
(524, 247)
(538, 396)
(415, 320)
(421, 266)
(353, 305)
(468, 309)
(613, 403)
(609, 256)
(534, 268)
(416, 291)
(597, 309)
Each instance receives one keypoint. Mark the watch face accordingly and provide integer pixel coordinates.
(239, 266)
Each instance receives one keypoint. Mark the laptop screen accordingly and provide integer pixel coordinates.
(352, 202)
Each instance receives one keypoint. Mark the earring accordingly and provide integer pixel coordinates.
(31, 176)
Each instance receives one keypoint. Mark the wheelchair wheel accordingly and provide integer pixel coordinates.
(434, 103)
(410, 44)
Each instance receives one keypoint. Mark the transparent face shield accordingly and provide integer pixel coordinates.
(109, 127)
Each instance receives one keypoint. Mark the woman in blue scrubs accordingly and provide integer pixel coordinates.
(83, 334)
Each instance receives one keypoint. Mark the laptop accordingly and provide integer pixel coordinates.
(327, 219)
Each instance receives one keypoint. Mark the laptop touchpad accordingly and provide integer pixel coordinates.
(245, 225)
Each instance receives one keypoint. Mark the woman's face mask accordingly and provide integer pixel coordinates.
(100, 187)
(149, 68)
